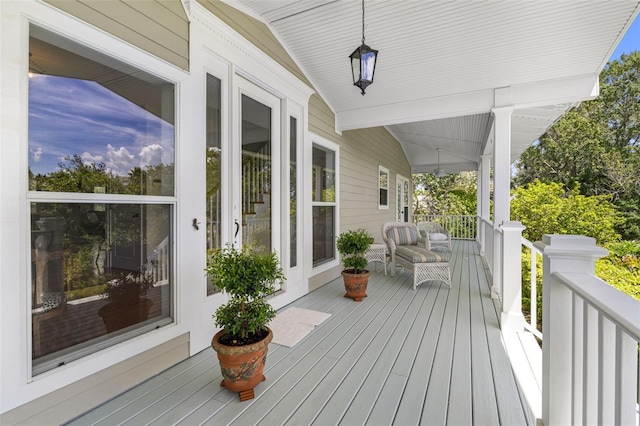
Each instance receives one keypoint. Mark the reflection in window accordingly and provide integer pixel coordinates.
(323, 204)
(214, 175)
(100, 269)
(96, 125)
(97, 271)
(383, 187)
(256, 174)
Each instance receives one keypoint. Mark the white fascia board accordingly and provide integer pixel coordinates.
(535, 94)
(550, 92)
(418, 110)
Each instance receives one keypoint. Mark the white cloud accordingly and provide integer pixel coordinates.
(151, 154)
(119, 160)
(36, 153)
(90, 158)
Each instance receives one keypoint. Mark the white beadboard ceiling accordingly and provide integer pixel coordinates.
(443, 65)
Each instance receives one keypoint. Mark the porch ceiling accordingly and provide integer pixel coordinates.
(443, 65)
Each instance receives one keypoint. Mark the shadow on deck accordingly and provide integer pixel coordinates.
(430, 356)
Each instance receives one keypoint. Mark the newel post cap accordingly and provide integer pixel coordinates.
(570, 246)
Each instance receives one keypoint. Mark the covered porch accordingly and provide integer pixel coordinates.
(430, 356)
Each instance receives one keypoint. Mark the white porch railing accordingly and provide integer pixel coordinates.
(590, 369)
(462, 227)
(533, 292)
(591, 339)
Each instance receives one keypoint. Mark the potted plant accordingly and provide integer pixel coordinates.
(126, 302)
(248, 277)
(352, 246)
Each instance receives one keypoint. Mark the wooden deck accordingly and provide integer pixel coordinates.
(403, 357)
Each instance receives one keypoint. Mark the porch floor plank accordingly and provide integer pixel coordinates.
(430, 356)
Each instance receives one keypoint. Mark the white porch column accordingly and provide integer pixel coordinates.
(512, 318)
(561, 253)
(483, 196)
(501, 188)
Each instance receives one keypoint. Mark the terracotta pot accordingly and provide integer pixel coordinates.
(121, 315)
(242, 366)
(356, 284)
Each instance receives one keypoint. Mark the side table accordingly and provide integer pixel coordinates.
(378, 253)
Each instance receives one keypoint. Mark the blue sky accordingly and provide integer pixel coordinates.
(70, 116)
(631, 40)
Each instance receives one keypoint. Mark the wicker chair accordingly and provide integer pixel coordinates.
(435, 234)
(409, 250)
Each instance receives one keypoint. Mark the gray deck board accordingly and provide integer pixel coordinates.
(403, 357)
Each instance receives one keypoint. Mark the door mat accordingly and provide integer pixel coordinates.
(290, 326)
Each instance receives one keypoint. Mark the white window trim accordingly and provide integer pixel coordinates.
(19, 386)
(382, 169)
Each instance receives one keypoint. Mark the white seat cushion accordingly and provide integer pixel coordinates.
(438, 237)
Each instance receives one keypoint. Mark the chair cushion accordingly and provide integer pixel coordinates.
(403, 235)
(416, 254)
(437, 236)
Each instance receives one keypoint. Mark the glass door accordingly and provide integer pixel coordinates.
(257, 204)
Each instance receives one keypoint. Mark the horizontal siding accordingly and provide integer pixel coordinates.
(158, 27)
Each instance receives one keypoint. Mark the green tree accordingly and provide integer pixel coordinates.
(453, 194)
(594, 148)
(546, 208)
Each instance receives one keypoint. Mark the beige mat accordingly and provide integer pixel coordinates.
(290, 326)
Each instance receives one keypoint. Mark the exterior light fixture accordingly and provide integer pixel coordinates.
(363, 62)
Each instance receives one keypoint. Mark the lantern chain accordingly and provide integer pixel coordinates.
(362, 21)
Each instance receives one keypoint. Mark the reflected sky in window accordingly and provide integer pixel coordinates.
(70, 116)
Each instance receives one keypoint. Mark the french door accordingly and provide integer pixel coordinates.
(256, 178)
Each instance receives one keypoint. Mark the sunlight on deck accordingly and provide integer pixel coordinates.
(430, 356)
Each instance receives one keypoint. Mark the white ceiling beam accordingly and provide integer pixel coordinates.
(529, 95)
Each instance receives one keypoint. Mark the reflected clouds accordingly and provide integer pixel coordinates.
(69, 116)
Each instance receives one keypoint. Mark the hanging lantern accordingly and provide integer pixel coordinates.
(363, 62)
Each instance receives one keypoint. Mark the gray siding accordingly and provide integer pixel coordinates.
(160, 27)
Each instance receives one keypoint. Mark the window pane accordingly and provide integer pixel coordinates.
(323, 234)
(96, 125)
(324, 175)
(100, 273)
(383, 186)
(214, 176)
(256, 174)
(293, 191)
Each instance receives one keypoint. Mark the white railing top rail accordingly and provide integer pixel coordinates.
(615, 305)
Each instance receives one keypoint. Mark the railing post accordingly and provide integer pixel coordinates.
(512, 318)
(561, 253)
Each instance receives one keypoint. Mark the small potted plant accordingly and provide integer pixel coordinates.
(248, 277)
(126, 302)
(352, 246)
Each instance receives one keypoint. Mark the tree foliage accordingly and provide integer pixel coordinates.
(453, 194)
(545, 208)
(594, 148)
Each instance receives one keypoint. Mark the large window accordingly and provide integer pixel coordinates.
(323, 204)
(101, 181)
